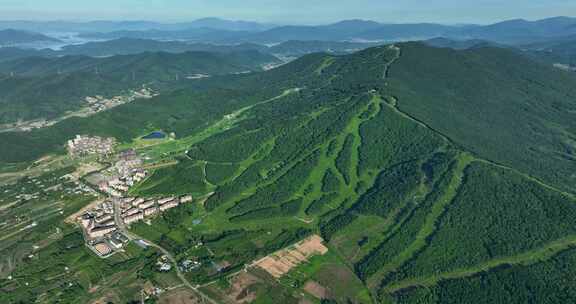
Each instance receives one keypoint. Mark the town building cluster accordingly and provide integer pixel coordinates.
(137, 209)
(128, 172)
(128, 162)
(163, 264)
(100, 103)
(99, 221)
(37, 188)
(101, 224)
(94, 105)
(104, 224)
(83, 145)
(189, 265)
(118, 186)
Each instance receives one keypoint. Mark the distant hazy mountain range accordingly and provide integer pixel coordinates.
(11, 37)
(220, 31)
(552, 39)
(509, 32)
(127, 46)
(109, 26)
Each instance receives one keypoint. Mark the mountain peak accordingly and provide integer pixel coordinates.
(356, 24)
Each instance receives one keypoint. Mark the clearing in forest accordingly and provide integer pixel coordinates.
(280, 263)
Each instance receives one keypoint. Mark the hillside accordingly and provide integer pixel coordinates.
(51, 95)
(461, 44)
(561, 51)
(429, 172)
(132, 46)
(299, 48)
(10, 37)
(126, 46)
(539, 138)
(145, 64)
(45, 87)
(12, 53)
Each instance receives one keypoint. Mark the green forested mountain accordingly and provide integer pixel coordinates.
(299, 48)
(9, 37)
(434, 175)
(529, 125)
(48, 96)
(131, 46)
(461, 44)
(561, 51)
(126, 46)
(45, 87)
(12, 53)
(150, 65)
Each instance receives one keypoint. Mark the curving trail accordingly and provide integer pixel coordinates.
(526, 258)
(133, 236)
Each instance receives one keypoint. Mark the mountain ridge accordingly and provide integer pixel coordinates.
(11, 37)
(510, 32)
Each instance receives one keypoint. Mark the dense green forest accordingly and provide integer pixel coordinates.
(529, 125)
(127, 46)
(145, 66)
(547, 281)
(46, 87)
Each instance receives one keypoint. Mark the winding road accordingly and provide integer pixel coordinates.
(132, 236)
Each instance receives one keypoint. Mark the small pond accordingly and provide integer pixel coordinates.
(155, 135)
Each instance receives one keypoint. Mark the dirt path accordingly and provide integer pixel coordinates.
(429, 226)
(526, 258)
(72, 218)
(7, 206)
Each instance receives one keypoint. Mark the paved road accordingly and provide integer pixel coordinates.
(133, 236)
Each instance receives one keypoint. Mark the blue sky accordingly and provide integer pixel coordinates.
(288, 11)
